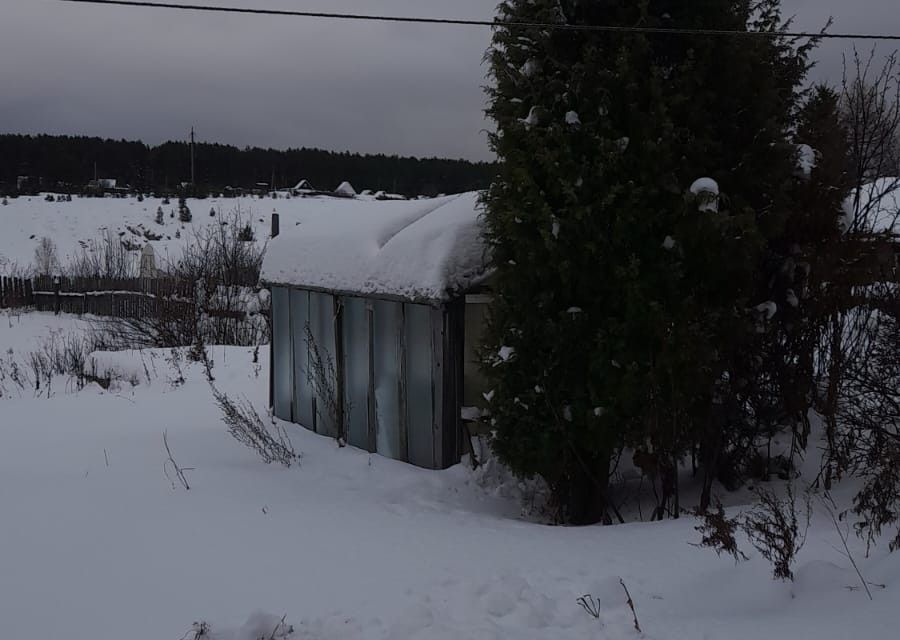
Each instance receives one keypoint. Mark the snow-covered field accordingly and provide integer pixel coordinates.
(96, 543)
(74, 226)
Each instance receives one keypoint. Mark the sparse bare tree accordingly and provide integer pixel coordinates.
(870, 106)
(46, 259)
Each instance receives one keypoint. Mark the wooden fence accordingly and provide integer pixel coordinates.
(15, 293)
(115, 298)
(107, 297)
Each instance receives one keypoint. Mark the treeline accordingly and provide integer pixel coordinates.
(68, 163)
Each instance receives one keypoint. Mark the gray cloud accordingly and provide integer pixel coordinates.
(150, 74)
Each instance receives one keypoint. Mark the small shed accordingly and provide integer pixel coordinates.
(302, 186)
(377, 310)
(345, 190)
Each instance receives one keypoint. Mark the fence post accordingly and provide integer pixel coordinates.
(57, 300)
(276, 225)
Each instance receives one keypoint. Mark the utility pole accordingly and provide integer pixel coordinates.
(193, 183)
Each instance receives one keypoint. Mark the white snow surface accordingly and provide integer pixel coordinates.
(75, 226)
(533, 118)
(705, 185)
(95, 544)
(807, 159)
(707, 192)
(573, 119)
(421, 250)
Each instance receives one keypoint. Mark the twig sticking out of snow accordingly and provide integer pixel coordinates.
(637, 626)
(282, 630)
(179, 471)
(828, 502)
(592, 608)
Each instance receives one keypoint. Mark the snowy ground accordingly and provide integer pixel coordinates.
(96, 544)
(73, 226)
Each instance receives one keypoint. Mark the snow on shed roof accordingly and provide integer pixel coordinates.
(422, 250)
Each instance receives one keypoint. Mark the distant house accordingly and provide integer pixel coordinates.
(377, 311)
(382, 195)
(345, 190)
(101, 185)
(302, 186)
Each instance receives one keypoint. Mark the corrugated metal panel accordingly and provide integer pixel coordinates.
(387, 352)
(322, 359)
(282, 356)
(356, 371)
(420, 385)
(303, 404)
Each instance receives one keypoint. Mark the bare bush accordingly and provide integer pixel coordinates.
(217, 253)
(868, 442)
(718, 531)
(106, 257)
(271, 443)
(776, 529)
(323, 378)
(226, 305)
(64, 356)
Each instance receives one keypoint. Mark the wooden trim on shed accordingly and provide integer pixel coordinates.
(438, 373)
(340, 369)
(454, 356)
(401, 386)
(373, 420)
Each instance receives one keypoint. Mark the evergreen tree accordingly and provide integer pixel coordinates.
(160, 216)
(184, 212)
(626, 301)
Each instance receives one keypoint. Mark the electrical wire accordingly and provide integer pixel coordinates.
(495, 23)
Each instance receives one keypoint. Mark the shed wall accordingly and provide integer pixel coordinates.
(390, 384)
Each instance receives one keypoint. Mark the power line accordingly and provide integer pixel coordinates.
(495, 23)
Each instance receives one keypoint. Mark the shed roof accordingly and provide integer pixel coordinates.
(422, 251)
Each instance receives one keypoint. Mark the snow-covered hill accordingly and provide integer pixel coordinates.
(73, 226)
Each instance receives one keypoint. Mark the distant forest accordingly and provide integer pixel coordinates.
(68, 163)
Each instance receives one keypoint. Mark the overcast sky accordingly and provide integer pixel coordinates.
(151, 74)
